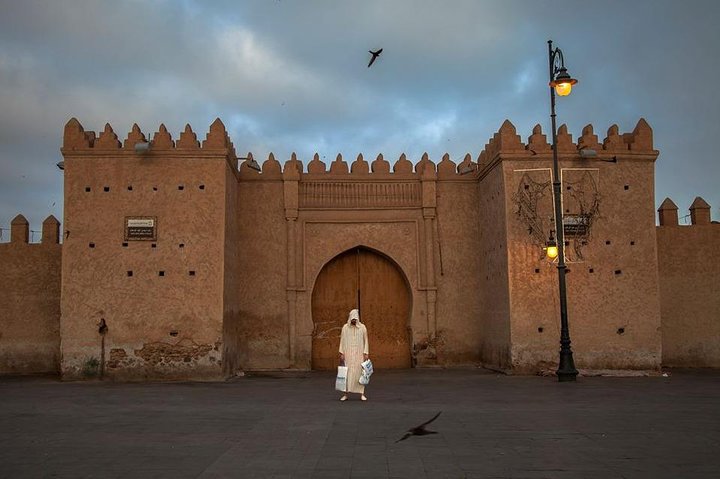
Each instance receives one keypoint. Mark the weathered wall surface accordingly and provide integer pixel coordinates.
(612, 283)
(30, 300)
(162, 301)
(492, 251)
(231, 273)
(458, 271)
(689, 265)
(257, 333)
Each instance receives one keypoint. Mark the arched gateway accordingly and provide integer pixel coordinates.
(361, 276)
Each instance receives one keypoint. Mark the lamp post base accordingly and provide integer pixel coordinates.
(566, 371)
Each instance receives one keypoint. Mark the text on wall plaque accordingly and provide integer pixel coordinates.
(140, 228)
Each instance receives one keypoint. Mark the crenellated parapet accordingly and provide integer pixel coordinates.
(361, 169)
(20, 231)
(358, 184)
(699, 213)
(78, 142)
(506, 143)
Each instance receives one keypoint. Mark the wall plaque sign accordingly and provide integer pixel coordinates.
(140, 228)
(576, 225)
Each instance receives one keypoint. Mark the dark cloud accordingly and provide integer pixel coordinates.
(292, 76)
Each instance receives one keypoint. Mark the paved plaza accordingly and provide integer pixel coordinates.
(491, 426)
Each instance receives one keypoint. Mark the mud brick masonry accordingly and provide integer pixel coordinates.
(180, 261)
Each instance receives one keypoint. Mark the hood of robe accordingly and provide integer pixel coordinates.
(354, 314)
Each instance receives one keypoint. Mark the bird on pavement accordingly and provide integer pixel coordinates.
(420, 430)
(374, 56)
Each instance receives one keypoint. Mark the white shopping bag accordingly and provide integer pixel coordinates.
(341, 379)
(367, 370)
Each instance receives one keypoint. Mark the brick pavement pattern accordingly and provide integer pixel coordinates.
(491, 426)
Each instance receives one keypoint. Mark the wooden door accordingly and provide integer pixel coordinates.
(378, 284)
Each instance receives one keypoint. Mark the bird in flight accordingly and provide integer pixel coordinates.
(419, 430)
(374, 56)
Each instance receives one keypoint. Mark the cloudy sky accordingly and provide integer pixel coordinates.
(290, 76)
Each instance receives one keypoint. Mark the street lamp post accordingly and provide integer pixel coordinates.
(560, 82)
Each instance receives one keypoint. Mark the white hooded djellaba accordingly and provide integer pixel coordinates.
(353, 344)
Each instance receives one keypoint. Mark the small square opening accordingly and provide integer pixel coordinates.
(191, 273)
(91, 245)
(129, 273)
(87, 189)
(161, 273)
(106, 189)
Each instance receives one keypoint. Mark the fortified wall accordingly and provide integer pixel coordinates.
(689, 267)
(181, 261)
(30, 300)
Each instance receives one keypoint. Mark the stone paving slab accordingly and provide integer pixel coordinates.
(293, 426)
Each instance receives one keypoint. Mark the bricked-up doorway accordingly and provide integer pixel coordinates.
(385, 304)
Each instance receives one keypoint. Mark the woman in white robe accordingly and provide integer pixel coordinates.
(353, 351)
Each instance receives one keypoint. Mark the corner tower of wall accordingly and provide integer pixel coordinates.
(611, 253)
(144, 252)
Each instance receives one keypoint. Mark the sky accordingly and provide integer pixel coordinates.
(291, 76)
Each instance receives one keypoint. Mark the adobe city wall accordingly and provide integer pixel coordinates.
(689, 270)
(226, 285)
(30, 300)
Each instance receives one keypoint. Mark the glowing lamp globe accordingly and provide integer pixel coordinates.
(551, 248)
(563, 89)
(563, 82)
